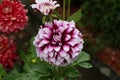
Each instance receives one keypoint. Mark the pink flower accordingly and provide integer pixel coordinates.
(45, 6)
(12, 16)
(7, 52)
(58, 42)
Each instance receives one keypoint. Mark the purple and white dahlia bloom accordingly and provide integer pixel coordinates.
(58, 42)
(45, 6)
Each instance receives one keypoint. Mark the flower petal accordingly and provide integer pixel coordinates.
(67, 37)
(50, 48)
(62, 53)
(66, 48)
(57, 48)
(67, 57)
(51, 54)
(43, 42)
(57, 63)
(60, 59)
(52, 60)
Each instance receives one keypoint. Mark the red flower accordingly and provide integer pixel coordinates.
(7, 52)
(12, 16)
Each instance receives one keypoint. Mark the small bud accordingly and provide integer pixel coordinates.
(33, 61)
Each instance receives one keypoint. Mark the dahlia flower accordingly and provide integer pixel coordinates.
(7, 52)
(12, 16)
(45, 6)
(58, 42)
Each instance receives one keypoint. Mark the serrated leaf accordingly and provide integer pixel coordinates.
(35, 71)
(13, 75)
(29, 76)
(83, 57)
(76, 16)
(85, 65)
(42, 68)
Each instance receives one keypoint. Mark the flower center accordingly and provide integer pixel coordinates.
(7, 10)
(46, 6)
(57, 38)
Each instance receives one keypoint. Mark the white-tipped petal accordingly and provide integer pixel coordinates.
(68, 37)
(57, 48)
(51, 54)
(50, 48)
(66, 48)
(52, 60)
(63, 54)
(43, 42)
(67, 57)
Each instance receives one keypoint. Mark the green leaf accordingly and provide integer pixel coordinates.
(83, 57)
(22, 56)
(0, 1)
(58, 15)
(53, 15)
(76, 16)
(43, 19)
(2, 72)
(32, 47)
(32, 51)
(36, 71)
(72, 78)
(13, 75)
(85, 65)
(27, 67)
(42, 68)
(59, 78)
(71, 72)
(29, 76)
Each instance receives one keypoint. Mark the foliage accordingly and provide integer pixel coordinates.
(76, 16)
(41, 70)
(104, 18)
(2, 72)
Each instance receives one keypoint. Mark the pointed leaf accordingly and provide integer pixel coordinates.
(43, 19)
(76, 16)
(83, 57)
(85, 65)
(22, 56)
(57, 14)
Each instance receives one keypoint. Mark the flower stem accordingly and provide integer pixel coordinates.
(68, 9)
(63, 9)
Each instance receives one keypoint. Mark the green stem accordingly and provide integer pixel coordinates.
(68, 8)
(63, 9)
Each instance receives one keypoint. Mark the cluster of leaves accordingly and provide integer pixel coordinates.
(103, 17)
(36, 69)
